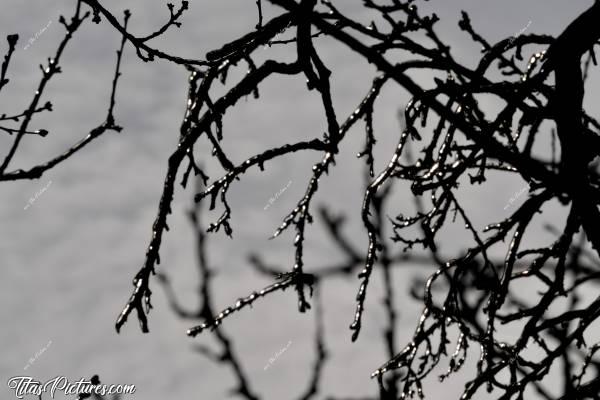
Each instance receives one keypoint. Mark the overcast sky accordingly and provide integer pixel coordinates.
(68, 258)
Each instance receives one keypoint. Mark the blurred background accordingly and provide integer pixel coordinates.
(68, 257)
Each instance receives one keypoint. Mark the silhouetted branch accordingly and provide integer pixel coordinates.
(52, 69)
(448, 141)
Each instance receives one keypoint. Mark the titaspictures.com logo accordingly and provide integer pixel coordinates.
(26, 385)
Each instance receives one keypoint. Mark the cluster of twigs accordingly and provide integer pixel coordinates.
(23, 119)
(227, 355)
(458, 142)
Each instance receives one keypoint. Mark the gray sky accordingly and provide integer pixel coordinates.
(68, 259)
